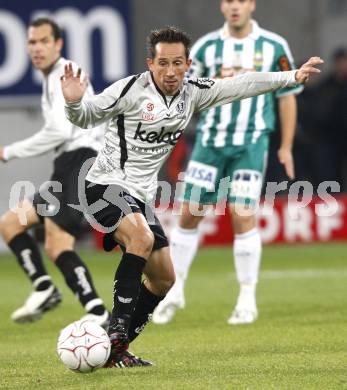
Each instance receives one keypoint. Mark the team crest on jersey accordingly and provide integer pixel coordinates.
(181, 107)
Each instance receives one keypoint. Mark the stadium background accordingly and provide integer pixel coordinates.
(115, 47)
(300, 338)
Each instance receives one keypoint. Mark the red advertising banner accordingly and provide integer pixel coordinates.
(281, 222)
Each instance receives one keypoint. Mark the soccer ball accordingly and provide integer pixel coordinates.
(83, 346)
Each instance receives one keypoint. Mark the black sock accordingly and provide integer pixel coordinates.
(29, 258)
(146, 304)
(126, 289)
(79, 280)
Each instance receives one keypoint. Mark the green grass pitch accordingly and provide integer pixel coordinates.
(298, 342)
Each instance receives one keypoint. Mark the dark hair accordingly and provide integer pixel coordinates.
(169, 34)
(56, 31)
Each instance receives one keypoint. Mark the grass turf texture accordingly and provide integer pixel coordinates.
(298, 342)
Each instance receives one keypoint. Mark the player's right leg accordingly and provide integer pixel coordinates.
(137, 239)
(125, 220)
(13, 227)
(184, 242)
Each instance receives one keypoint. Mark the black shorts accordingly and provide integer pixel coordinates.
(67, 168)
(113, 204)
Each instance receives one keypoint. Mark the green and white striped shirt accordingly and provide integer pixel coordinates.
(219, 55)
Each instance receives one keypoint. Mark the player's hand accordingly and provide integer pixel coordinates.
(307, 69)
(73, 85)
(285, 157)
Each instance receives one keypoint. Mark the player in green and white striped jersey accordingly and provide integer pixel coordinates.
(232, 141)
(219, 54)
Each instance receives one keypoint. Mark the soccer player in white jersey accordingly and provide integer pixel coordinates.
(145, 115)
(232, 141)
(72, 147)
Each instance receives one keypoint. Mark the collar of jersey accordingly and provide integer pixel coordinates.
(225, 33)
(162, 94)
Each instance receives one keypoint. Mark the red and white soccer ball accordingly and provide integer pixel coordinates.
(83, 346)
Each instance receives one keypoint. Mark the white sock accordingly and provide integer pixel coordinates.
(183, 247)
(246, 299)
(247, 255)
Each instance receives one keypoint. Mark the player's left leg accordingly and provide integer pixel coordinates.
(59, 246)
(159, 278)
(145, 251)
(136, 239)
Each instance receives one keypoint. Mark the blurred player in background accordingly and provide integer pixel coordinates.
(232, 141)
(72, 147)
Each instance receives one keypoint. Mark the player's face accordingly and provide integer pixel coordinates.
(169, 66)
(237, 13)
(43, 49)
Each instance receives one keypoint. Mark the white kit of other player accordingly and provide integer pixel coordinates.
(57, 133)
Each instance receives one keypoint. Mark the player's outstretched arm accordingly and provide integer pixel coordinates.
(308, 69)
(217, 92)
(73, 85)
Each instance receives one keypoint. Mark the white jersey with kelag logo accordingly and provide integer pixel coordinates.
(219, 55)
(143, 125)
